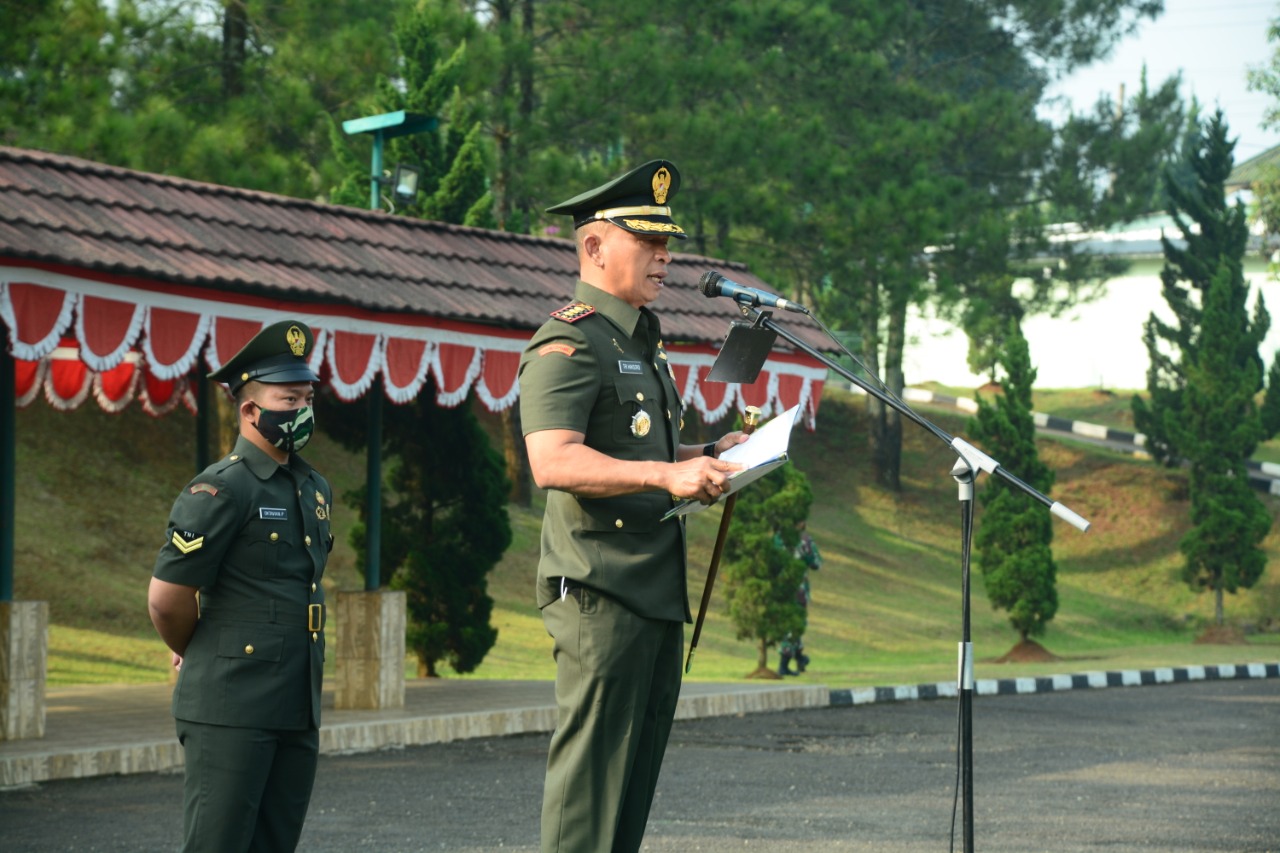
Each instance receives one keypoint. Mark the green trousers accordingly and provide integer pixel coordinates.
(617, 683)
(245, 790)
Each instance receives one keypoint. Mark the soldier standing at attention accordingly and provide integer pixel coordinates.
(251, 535)
(601, 416)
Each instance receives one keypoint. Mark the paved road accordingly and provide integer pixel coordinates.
(1186, 767)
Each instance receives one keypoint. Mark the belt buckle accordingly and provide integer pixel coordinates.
(315, 617)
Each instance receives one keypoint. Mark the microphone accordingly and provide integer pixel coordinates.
(714, 284)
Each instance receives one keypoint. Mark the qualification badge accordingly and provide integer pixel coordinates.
(640, 424)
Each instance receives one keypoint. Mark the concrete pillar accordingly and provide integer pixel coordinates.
(24, 664)
(370, 655)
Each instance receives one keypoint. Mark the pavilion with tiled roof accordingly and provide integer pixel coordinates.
(117, 284)
(114, 283)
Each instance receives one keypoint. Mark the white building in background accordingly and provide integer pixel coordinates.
(1098, 344)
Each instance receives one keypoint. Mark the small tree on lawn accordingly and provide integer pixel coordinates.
(761, 579)
(1219, 430)
(1015, 537)
(1206, 373)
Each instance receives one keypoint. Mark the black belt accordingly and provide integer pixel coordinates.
(310, 617)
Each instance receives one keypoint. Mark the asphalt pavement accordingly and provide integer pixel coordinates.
(1170, 767)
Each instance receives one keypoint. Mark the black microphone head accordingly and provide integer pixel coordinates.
(710, 283)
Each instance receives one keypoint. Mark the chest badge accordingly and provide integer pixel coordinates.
(641, 423)
(322, 511)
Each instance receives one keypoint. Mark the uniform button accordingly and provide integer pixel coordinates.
(314, 636)
(275, 536)
(234, 458)
(248, 650)
(640, 396)
(313, 587)
(618, 523)
(308, 540)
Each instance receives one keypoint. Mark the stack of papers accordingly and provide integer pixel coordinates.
(760, 454)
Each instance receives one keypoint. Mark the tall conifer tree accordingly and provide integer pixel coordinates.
(1206, 373)
(1015, 536)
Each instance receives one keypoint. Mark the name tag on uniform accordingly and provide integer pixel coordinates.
(635, 367)
(273, 514)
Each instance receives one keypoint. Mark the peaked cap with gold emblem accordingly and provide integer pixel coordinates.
(278, 355)
(636, 201)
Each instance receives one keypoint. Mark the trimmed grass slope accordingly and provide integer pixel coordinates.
(93, 492)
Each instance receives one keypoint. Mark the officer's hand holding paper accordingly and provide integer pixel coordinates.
(764, 451)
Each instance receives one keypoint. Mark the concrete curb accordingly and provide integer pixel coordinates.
(1052, 683)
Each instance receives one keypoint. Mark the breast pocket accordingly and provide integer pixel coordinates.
(259, 548)
(638, 418)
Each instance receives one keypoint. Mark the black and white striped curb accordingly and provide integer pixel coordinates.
(1052, 683)
(1264, 476)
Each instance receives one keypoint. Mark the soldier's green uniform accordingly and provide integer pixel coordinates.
(253, 535)
(612, 578)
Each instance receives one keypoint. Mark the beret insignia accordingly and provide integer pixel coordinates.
(573, 312)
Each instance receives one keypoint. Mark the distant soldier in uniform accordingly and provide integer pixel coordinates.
(792, 646)
(602, 415)
(251, 535)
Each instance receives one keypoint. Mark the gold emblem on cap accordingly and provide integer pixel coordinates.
(297, 341)
(661, 185)
(640, 424)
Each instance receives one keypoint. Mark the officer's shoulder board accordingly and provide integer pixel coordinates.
(228, 461)
(573, 312)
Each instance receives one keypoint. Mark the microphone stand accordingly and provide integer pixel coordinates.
(970, 460)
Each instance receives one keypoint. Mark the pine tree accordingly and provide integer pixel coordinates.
(1206, 373)
(1220, 427)
(761, 578)
(445, 525)
(1015, 536)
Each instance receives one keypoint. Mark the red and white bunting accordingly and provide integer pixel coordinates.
(125, 340)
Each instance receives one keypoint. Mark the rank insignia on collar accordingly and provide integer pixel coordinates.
(573, 312)
(186, 541)
(203, 487)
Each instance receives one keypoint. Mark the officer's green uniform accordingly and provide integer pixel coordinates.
(612, 577)
(253, 536)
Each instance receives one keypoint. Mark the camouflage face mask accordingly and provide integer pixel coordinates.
(289, 430)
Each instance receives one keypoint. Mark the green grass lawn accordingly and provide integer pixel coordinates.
(94, 491)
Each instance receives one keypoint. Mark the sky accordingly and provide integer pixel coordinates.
(1213, 43)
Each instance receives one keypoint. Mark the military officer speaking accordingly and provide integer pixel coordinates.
(250, 534)
(601, 415)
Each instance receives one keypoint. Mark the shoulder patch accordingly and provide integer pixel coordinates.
(563, 349)
(573, 312)
(204, 487)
